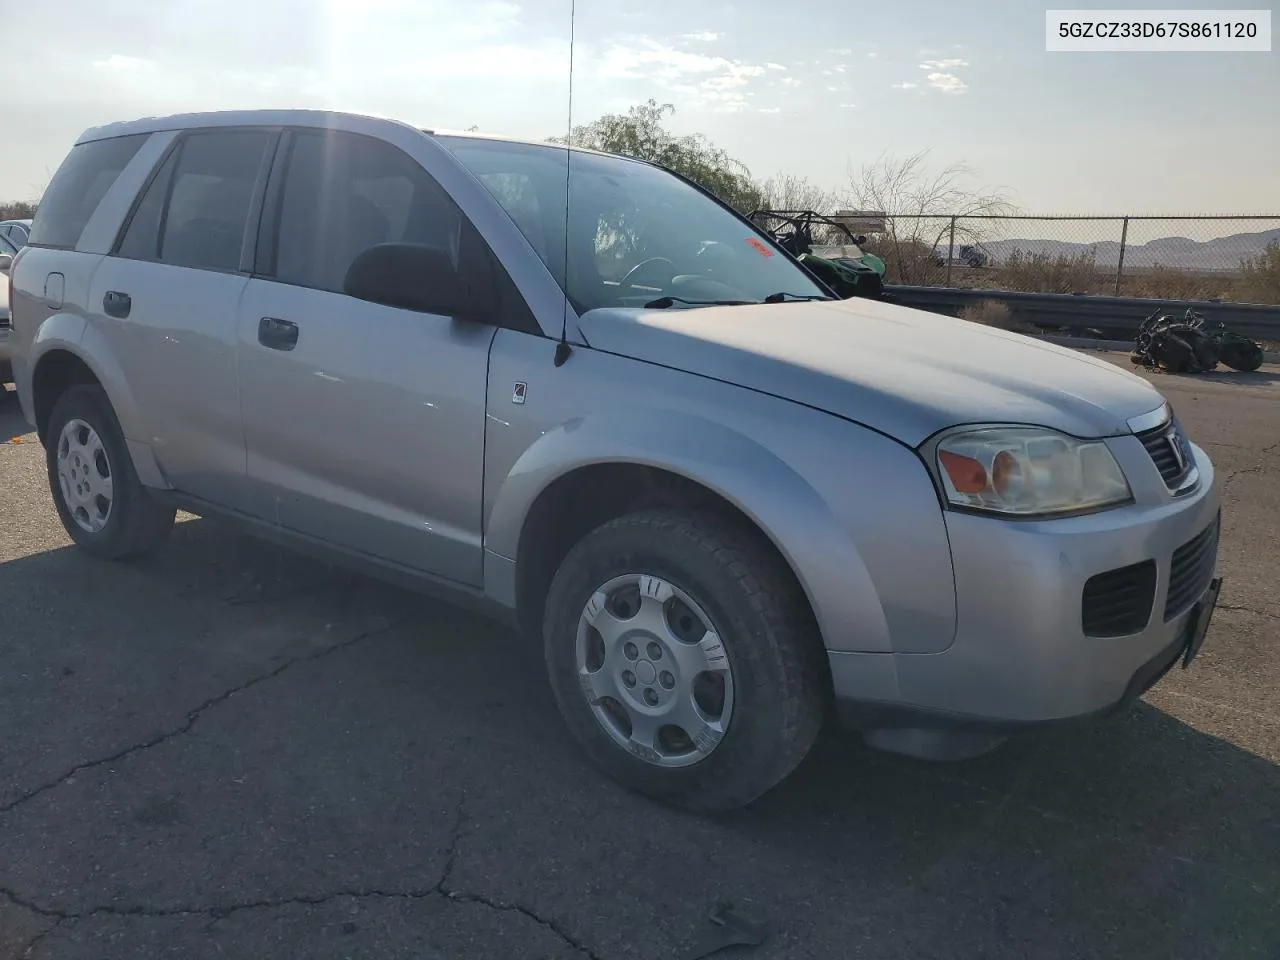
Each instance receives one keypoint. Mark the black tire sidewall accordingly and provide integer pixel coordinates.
(1245, 358)
(90, 404)
(732, 774)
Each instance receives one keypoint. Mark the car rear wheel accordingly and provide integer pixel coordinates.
(103, 506)
(684, 658)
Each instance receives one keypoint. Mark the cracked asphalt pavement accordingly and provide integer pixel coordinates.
(230, 750)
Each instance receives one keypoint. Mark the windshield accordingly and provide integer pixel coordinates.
(635, 232)
(837, 251)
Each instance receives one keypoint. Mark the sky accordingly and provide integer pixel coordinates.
(810, 89)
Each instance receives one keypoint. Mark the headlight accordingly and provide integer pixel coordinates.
(1028, 471)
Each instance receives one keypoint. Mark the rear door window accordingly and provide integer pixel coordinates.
(195, 211)
(78, 187)
(142, 236)
(210, 197)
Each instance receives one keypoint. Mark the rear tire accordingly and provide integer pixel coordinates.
(772, 686)
(103, 506)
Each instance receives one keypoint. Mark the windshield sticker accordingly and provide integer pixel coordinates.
(759, 247)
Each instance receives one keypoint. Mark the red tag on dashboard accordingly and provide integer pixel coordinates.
(759, 247)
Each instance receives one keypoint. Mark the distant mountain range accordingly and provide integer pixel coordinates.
(1223, 253)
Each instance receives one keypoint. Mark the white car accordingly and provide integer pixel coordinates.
(16, 232)
(8, 250)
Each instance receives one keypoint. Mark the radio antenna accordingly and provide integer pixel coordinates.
(562, 348)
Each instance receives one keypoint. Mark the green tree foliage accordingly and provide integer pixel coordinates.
(639, 133)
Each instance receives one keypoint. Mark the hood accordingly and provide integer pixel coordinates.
(904, 372)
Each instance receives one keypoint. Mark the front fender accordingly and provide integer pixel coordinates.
(743, 471)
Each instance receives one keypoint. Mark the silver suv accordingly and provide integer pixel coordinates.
(579, 390)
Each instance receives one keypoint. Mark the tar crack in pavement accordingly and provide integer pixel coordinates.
(442, 888)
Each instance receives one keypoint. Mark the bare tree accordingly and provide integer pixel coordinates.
(17, 210)
(919, 206)
(789, 192)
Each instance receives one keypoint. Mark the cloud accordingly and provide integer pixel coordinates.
(841, 51)
(648, 59)
(120, 63)
(905, 85)
(737, 77)
(699, 79)
(839, 68)
(790, 82)
(770, 110)
(848, 106)
(774, 66)
(873, 54)
(702, 36)
(946, 82)
(940, 77)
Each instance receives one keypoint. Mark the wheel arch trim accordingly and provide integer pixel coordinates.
(738, 469)
(75, 336)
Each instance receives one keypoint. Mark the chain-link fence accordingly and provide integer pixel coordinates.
(1186, 258)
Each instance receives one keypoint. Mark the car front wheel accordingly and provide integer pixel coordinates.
(684, 659)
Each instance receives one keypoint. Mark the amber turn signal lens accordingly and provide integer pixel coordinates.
(966, 474)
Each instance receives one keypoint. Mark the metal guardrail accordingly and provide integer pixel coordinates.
(1118, 317)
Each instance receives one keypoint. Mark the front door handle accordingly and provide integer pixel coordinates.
(277, 334)
(116, 304)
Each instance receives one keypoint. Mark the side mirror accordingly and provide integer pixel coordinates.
(6, 261)
(412, 277)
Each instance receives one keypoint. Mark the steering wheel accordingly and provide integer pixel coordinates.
(628, 279)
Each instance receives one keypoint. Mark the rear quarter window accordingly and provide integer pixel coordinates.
(78, 187)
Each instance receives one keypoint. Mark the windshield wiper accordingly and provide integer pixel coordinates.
(662, 303)
(782, 296)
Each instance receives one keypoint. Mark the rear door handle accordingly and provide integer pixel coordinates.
(116, 304)
(277, 334)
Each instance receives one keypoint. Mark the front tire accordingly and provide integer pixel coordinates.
(103, 506)
(684, 658)
(1244, 356)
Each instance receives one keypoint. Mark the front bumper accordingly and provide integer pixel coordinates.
(1021, 656)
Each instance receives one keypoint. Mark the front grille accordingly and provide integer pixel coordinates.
(1169, 450)
(1118, 602)
(1191, 570)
